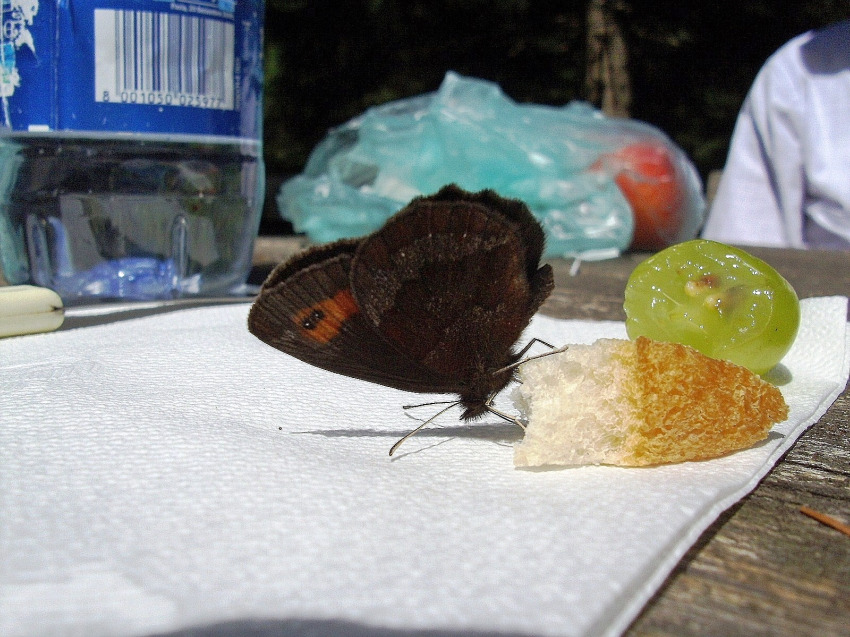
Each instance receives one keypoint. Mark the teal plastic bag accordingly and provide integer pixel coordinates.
(587, 178)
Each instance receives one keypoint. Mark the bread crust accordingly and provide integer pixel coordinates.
(694, 407)
(669, 403)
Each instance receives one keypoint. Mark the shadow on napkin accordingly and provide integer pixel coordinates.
(507, 432)
(315, 627)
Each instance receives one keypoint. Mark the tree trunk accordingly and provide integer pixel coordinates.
(607, 81)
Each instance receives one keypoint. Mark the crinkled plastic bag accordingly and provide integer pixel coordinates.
(597, 185)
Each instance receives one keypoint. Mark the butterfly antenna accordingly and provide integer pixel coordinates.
(409, 434)
(436, 402)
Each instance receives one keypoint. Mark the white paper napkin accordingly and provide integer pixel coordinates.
(174, 472)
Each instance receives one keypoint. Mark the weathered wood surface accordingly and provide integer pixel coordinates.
(763, 568)
(596, 291)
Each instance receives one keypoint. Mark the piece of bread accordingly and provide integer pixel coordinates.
(641, 402)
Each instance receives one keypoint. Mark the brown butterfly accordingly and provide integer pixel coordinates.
(433, 302)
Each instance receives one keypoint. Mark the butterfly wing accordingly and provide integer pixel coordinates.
(452, 282)
(513, 211)
(306, 309)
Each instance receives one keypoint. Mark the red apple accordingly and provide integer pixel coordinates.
(646, 175)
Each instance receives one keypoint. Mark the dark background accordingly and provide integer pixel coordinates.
(689, 64)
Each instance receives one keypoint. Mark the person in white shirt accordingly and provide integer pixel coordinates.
(787, 177)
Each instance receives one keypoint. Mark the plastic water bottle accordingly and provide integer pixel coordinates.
(130, 147)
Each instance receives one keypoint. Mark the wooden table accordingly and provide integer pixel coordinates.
(763, 568)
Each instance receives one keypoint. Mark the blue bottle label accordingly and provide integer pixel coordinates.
(143, 66)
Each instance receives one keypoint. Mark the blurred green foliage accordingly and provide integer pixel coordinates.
(691, 64)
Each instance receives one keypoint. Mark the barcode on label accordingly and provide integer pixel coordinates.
(145, 57)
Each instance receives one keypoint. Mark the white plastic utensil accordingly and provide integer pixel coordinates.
(28, 309)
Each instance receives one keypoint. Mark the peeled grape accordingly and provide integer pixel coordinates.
(718, 299)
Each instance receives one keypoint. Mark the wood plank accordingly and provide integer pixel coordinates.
(764, 568)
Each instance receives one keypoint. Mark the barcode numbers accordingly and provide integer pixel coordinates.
(145, 57)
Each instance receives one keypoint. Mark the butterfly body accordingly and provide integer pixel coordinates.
(433, 302)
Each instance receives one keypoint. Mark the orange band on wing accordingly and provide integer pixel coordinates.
(323, 321)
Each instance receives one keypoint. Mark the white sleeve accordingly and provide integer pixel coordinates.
(760, 196)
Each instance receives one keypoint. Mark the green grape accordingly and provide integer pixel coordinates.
(718, 299)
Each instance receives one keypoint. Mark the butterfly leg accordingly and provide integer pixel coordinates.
(531, 343)
(531, 358)
(505, 416)
(497, 412)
